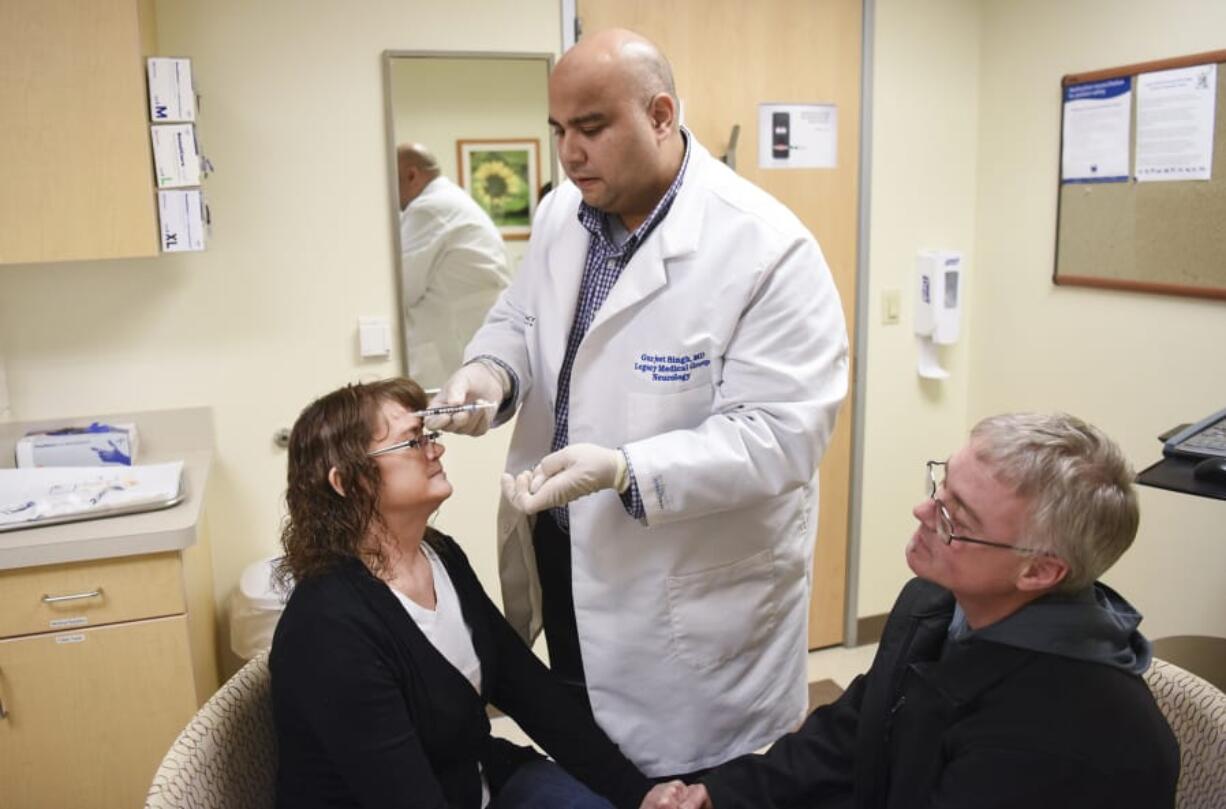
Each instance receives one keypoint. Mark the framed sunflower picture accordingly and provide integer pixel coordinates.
(503, 176)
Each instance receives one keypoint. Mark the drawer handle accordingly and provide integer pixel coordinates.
(73, 597)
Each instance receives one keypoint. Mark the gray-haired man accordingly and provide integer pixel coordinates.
(1007, 676)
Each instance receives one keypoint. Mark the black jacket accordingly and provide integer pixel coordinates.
(368, 713)
(987, 726)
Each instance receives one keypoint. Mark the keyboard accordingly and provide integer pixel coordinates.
(1204, 439)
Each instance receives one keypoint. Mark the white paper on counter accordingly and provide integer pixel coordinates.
(47, 492)
(1097, 120)
(1175, 112)
(176, 157)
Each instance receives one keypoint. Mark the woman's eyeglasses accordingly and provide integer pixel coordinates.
(424, 440)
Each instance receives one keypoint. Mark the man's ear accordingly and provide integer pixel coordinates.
(1042, 572)
(663, 111)
(334, 480)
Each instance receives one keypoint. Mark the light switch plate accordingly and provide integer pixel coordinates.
(891, 304)
(374, 336)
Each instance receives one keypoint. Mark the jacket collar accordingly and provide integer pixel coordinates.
(962, 671)
(676, 235)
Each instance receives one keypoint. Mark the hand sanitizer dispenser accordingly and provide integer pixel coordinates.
(938, 307)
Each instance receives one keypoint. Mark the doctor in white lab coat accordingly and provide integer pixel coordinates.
(453, 265)
(707, 381)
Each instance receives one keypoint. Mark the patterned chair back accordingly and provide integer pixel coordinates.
(226, 757)
(1196, 712)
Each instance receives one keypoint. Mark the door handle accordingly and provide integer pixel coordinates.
(97, 593)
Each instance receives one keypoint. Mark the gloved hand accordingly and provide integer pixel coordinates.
(476, 381)
(566, 475)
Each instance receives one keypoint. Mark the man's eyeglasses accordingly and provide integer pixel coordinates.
(945, 523)
(424, 440)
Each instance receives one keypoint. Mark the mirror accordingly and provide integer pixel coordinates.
(460, 235)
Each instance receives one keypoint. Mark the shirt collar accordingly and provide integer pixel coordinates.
(596, 220)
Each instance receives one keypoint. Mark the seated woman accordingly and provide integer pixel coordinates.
(389, 649)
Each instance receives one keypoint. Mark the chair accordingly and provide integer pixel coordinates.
(226, 757)
(1196, 712)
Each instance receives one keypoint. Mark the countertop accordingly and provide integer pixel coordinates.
(165, 435)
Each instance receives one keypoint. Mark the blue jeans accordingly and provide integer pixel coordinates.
(545, 785)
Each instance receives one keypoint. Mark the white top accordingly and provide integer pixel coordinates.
(444, 627)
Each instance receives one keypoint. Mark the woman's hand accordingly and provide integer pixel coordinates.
(676, 795)
(664, 796)
(696, 797)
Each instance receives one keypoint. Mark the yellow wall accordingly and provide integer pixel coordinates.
(924, 129)
(966, 155)
(1134, 364)
(292, 116)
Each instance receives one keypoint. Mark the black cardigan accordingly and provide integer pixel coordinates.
(368, 713)
(984, 727)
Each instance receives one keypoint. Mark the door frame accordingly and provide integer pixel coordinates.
(859, 372)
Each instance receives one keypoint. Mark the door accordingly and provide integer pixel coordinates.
(729, 56)
(88, 715)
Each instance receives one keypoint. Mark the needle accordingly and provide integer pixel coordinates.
(448, 410)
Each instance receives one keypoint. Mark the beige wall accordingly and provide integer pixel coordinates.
(1134, 364)
(292, 115)
(924, 143)
(966, 154)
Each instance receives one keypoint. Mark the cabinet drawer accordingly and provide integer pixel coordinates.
(104, 591)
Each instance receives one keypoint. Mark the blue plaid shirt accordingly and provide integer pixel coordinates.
(607, 255)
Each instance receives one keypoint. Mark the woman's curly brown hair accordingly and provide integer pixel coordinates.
(322, 527)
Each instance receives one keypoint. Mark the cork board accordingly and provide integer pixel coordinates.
(1161, 237)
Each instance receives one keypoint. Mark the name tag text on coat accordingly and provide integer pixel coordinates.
(670, 367)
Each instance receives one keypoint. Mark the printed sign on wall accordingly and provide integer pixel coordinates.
(798, 136)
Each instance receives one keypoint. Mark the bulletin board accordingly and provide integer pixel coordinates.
(1162, 237)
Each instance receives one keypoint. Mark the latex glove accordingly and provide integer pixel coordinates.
(568, 474)
(664, 796)
(475, 382)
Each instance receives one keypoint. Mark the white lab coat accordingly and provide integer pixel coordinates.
(453, 264)
(718, 362)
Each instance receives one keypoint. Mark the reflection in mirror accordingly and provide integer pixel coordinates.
(471, 155)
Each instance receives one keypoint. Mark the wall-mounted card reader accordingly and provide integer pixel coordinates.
(781, 139)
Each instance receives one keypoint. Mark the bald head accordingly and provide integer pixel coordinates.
(416, 166)
(626, 57)
(613, 111)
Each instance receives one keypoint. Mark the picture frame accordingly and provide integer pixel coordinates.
(504, 178)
